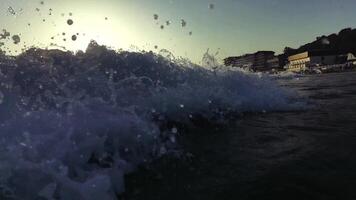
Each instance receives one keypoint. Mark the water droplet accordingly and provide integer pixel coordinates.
(11, 10)
(106, 18)
(183, 23)
(1, 97)
(155, 17)
(23, 144)
(211, 6)
(74, 37)
(174, 130)
(168, 22)
(70, 22)
(70, 14)
(190, 33)
(16, 39)
(42, 2)
(172, 139)
(162, 27)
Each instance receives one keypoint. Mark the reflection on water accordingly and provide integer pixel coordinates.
(284, 155)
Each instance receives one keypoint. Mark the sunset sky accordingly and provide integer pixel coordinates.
(232, 27)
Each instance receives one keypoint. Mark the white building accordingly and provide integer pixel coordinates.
(307, 60)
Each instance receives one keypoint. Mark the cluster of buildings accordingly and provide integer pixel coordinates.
(309, 61)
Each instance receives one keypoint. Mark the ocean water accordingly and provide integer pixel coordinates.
(106, 125)
(300, 154)
(75, 126)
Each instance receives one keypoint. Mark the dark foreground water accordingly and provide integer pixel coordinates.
(307, 154)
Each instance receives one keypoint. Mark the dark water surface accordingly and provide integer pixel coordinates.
(307, 154)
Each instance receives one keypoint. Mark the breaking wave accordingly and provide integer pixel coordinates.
(72, 125)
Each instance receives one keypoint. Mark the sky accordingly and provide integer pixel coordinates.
(230, 27)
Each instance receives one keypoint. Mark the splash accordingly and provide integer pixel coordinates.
(72, 125)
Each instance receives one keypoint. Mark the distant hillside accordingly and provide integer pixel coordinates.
(343, 42)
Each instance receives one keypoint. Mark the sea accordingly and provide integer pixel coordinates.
(107, 125)
(301, 154)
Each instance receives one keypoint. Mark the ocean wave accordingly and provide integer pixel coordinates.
(72, 125)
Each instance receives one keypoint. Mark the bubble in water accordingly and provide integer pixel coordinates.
(74, 37)
(37, 9)
(168, 22)
(183, 23)
(42, 2)
(16, 39)
(162, 27)
(106, 18)
(70, 22)
(211, 6)
(190, 33)
(155, 17)
(63, 33)
(156, 47)
(70, 14)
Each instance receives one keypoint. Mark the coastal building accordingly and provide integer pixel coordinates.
(277, 63)
(259, 61)
(309, 59)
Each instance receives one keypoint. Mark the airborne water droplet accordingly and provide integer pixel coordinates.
(183, 23)
(174, 130)
(70, 22)
(155, 17)
(74, 37)
(16, 39)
